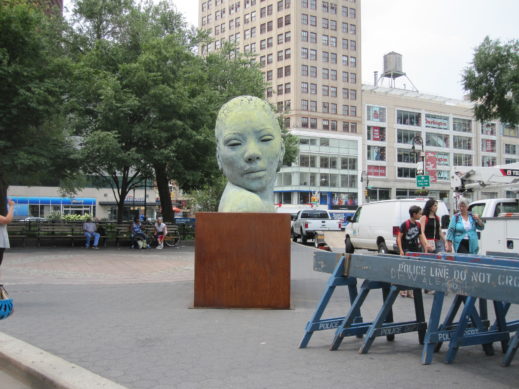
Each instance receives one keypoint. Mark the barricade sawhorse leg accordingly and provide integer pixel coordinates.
(316, 323)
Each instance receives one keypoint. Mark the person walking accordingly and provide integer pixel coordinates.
(462, 234)
(431, 228)
(5, 219)
(90, 230)
(410, 238)
(161, 230)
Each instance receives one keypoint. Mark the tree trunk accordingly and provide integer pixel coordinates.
(163, 187)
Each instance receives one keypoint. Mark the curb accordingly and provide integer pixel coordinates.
(44, 370)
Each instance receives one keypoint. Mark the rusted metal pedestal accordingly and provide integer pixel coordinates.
(242, 260)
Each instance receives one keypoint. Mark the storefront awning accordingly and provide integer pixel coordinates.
(53, 200)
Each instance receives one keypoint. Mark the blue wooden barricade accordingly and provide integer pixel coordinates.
(473, 280)
(469, 277)
(316, 323)
(351, 324)
(461, 334)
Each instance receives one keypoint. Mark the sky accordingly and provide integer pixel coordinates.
(436, 38)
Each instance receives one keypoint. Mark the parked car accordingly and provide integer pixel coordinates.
(375, 225)
(308, 222)
(34, 219)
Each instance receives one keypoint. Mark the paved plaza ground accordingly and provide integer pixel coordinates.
(127, 315)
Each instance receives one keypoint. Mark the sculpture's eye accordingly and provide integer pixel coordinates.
(233, 143)
(267, 138)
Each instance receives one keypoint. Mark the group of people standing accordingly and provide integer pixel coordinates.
(422, 231)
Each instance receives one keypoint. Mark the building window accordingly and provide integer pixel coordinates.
(488, 145)
(439, 122)
(333, 41)
(325, 56)
(288, 36)
(487, 161)
(280, 72)
(288, 53)
(375, 113)
(333, 58)
(376, 133)
(510, 130)
(406, 136)
(325, 40)
(280, 89)
(333, 91)
(376, 153)
(270, 58)
(306, 160)
(280, 22)
(462, 159)
(325, 23)
(313, 106)
(353, 110)
(488, 129)
(304, 122)
(313, 71)
(280, 55)
(333, 75)
(436, 140)
(406, 172)
(510, 149)
(353, 78)
(462, 125)
(312, 55)
(333, 108)
(326, 74)
(287, 20)
(304, 70)
(353, 45)
(346, 110)
(326, 124)
(304, 53)
(304, 105)
(408, 118)
(280, 39)
(313, 123)
(406, 156)
(287, 70)
(313, 37)
(313, 20)
(348, 163)
(462, 142)
(288, 87)
(304, 19)
(326, 107)
(269, 75)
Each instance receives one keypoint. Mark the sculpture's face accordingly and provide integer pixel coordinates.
(250, 149)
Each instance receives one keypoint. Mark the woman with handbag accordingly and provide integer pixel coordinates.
(462, 235)
(431, 228)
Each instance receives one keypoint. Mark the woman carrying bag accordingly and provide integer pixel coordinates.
(431, 228)
(462, 235)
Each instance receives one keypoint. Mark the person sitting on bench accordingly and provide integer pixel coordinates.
(90, 229)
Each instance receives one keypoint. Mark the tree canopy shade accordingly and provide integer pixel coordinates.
(34, 74)
(492, 81)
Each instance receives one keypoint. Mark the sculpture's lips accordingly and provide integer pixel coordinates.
(255, 172)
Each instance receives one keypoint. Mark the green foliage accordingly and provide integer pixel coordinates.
(492, 81)
(207, 198)
(34, 80)
(76, 218)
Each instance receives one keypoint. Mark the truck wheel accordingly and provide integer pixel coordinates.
(382, 248)
(294, 236)
(303, 237)
(349, 246)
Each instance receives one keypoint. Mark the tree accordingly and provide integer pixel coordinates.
(34, 78)
(492, 81)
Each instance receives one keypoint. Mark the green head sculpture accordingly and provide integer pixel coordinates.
(249, 150)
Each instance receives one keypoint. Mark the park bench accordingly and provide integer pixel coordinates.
(63, 232)
(17, 231)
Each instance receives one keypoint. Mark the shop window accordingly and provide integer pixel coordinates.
(375, 113)
(376, 153)
(408, 118)
(462, 125)
(376, 133)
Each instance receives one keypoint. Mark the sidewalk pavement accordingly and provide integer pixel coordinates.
(126, 315)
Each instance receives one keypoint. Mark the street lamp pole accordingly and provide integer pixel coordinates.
(418, 140)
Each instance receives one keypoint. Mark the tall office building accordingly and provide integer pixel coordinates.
(310, 54)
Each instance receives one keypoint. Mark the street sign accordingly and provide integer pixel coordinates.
(423, 181)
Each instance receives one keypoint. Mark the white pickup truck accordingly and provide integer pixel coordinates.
(501, 233)
(309, 221)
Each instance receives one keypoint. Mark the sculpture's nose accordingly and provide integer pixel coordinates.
(252, 153)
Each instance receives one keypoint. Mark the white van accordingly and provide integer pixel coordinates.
(375, 226)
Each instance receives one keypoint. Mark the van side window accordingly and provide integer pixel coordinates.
(477, 209)
(356, 217)
(510, 207)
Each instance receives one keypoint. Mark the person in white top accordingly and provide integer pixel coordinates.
(160, 232)
(4, 221)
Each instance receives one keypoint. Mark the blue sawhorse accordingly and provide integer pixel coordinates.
(461, 333)
(384, 324)
(316, 323)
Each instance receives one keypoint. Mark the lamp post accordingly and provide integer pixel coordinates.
(417, 140)
(364, 178)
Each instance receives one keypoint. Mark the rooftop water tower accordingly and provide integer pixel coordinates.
(393, 70)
